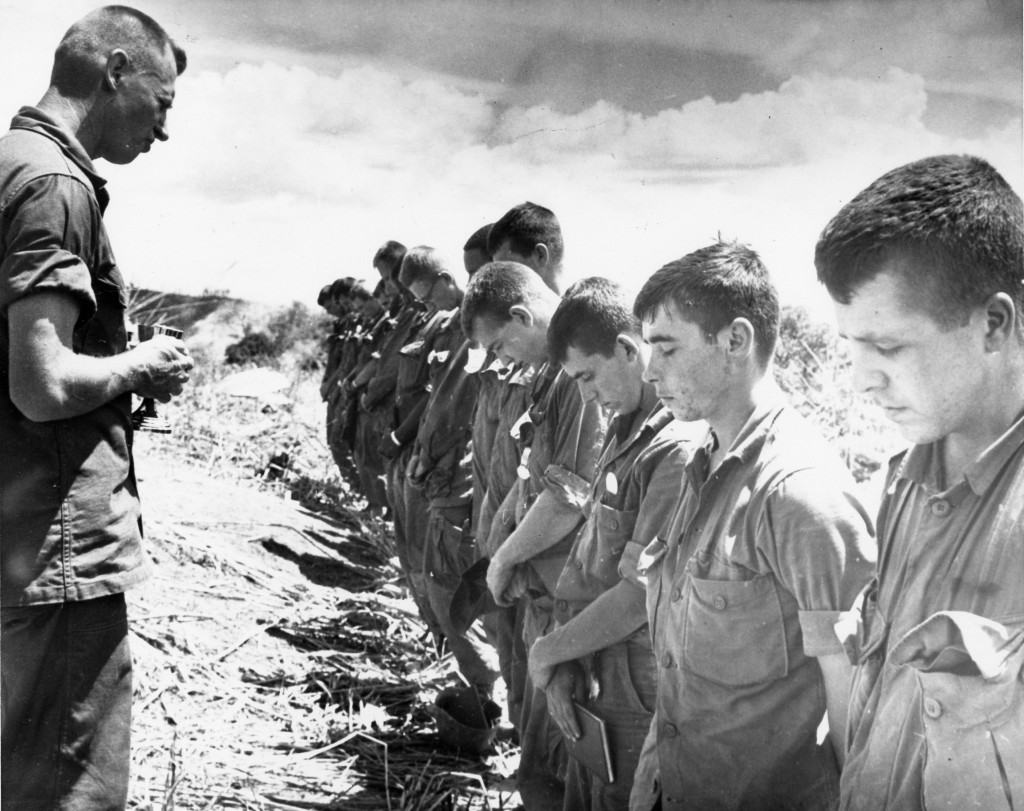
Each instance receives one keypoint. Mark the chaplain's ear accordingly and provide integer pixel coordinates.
(115, 70)
(522, 314)
(629, 345)
(1001, 319)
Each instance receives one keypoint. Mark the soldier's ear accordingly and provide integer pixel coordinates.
(737, 338)
(1000, 321)
(522, 314)
(629, 345)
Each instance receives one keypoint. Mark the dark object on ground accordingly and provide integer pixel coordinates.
(464, 721)
(254, 346)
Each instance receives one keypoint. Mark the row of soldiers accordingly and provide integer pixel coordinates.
(690, 608)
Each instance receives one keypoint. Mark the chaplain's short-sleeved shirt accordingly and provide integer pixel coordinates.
(743, 592)
(69, 508)
(920, 735)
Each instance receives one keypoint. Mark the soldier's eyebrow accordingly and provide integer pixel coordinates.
(867, 337)
(660, 339)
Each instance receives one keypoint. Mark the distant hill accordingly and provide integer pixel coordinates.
(175, 309)
(212, 322)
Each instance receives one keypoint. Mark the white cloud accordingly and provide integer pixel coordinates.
(279, 177)
(290, 178)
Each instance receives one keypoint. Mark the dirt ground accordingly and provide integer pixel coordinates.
(279, 662)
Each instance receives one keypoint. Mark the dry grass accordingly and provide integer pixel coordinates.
(279, 661)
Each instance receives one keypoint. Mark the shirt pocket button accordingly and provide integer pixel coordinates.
(932, 708)
(940, 508)
(719, 602)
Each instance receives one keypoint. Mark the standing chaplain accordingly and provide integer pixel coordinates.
(70, 527)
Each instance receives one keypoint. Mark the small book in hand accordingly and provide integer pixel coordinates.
(592, 749)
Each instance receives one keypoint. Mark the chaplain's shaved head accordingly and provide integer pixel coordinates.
(81, 57)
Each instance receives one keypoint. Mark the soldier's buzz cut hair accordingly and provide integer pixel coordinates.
(524, 227)
(478, 240)
(421, 263)
(712, 287)
(390, 255)
(496, 288)
(589, 318)
(81, 56)
(954, 216)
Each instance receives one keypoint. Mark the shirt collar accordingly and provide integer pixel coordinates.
(752, 435)
(650, 415)
(35, 120)
(986, 468)
(920, 465)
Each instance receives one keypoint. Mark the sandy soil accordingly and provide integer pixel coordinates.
(279, 663)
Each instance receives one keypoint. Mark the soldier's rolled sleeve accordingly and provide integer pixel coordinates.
(579, 436)
(820, 545)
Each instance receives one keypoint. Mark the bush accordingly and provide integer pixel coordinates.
(812, 367)
(295, 332)
(253, 346)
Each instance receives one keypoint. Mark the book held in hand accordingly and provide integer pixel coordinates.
(592, 749)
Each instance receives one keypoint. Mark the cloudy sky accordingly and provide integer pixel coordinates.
(307, 132)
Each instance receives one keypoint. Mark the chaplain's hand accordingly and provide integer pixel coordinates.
(162, 366)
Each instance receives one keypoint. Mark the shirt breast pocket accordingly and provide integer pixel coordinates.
(734, 632)
(614, 530)
(105, 333)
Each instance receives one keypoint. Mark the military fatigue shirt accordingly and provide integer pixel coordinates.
(926, 729)
(443, 441)
(636, 486)
(743, 592)
(560, 441)
(69, 508)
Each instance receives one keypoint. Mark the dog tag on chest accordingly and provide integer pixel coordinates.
(611, 484)
(523, 471)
